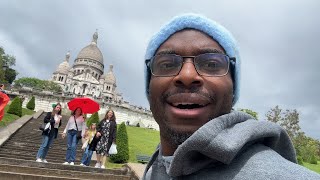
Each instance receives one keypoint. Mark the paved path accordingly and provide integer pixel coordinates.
(137, 168)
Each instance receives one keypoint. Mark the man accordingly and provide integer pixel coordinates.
(192, 82)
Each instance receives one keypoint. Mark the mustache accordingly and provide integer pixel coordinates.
(197, 91)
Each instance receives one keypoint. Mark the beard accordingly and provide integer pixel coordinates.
(174, 136)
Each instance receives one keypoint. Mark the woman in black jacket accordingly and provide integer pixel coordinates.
(50, 133)
(106, 131)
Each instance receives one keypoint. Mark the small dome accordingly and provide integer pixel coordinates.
(91, 51)
(110, 78)
(64, 67)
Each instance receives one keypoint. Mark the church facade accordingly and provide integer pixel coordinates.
(86, 76)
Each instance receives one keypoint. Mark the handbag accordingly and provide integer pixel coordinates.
(79, 136)
(45, 126)
(113, 149)
(85, 144)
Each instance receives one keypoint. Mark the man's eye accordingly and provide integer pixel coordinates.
(210, 64)
(166, 65)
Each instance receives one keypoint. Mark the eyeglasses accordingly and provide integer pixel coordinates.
(208, 64)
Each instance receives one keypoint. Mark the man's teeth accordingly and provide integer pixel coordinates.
(188, 106)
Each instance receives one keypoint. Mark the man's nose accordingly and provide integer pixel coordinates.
(188, 76)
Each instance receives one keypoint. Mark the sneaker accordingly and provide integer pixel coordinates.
(103, 167)
(65, 163)
(81, 164)
(97, 165)
(38, 160)
(72, 163)
(45, 161)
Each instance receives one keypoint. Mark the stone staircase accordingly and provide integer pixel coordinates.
(18, 155)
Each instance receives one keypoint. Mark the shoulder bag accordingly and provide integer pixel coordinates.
(78, 132)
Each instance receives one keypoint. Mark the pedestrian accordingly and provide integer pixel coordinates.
(89, 145)
(192, 83)
(49, 134)
(75, 130)
(107, 131)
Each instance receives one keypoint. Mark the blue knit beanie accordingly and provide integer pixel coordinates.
(205, 25)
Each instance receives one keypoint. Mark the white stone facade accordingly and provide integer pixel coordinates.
(86, 76)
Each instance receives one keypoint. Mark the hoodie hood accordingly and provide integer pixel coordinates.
(220, 141)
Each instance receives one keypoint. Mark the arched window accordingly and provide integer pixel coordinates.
(61, 79)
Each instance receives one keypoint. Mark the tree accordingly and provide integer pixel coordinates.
(274, 115)
(7, 59)
(2, 79)
(289, 120)
(31, 104)
(37, 84)
(306, 147)
(122, 146)
(252, 113)
(10, 75)
(15, 107)
(93, 119)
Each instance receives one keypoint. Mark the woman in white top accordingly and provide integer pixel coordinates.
(76, 123)
(54, 118)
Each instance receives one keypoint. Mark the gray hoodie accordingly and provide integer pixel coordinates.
(232, 146)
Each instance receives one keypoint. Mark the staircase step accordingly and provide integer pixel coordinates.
(18, 158)
(58, 172)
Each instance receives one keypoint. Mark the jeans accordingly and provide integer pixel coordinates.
(71, 146)
(86, 158)
(46, 143)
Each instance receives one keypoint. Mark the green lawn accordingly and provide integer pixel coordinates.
(313, 167)
(8, 118)
(141, 141)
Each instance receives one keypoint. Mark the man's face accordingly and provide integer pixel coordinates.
(181, 104)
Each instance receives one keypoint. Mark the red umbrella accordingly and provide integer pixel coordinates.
(87, 105)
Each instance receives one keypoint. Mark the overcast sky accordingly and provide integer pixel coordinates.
(278, 44)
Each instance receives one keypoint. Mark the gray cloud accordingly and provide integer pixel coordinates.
(278, 42)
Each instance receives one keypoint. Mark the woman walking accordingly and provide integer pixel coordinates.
(75, 124)
(54, 118)
(107, 130)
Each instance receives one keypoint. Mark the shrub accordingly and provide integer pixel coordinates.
(93, 119)
(31, 104)
(122, 146)
(15, 107)
(300, 161)
(313, 160)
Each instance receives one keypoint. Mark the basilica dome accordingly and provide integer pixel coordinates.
(64, 67)
(91, 51)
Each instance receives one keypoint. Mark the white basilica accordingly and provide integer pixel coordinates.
(86, 76)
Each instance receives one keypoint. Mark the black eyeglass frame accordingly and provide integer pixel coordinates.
(231, 60)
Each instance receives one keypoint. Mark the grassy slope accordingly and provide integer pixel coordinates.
(8, 118)
(141, 141)
(313, 167)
